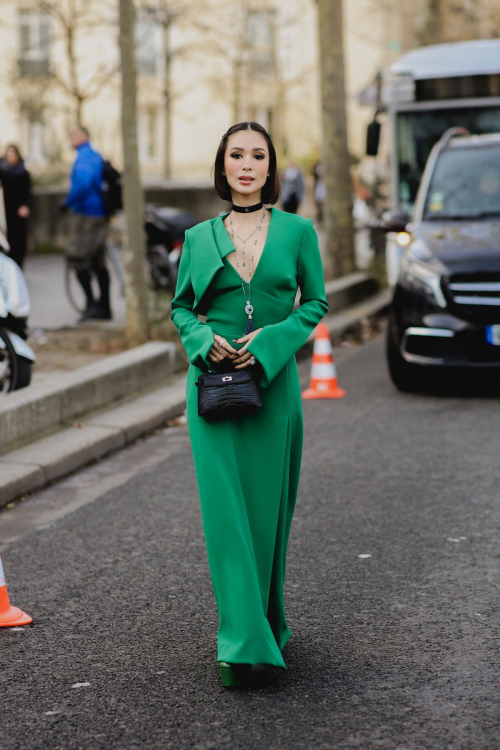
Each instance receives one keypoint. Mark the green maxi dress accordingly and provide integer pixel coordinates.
(248, 469)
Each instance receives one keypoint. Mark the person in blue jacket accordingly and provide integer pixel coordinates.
(88, 224)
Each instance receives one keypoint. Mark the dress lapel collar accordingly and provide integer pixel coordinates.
(224, 244)
(209, 243)
(206, 243)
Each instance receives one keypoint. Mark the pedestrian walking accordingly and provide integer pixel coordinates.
(242, 270)
(293, 188)
(88, 225)
(16, 184)
(319, 190)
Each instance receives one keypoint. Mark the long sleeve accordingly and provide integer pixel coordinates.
(82, 180)
(275, 344)
(197, 338)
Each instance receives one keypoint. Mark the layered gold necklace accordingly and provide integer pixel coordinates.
(248, 303)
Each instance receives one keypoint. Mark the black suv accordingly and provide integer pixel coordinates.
(446, 308)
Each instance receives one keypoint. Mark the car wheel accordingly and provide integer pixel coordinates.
(74, 291)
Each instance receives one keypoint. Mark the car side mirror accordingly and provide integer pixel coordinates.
(372, 138)
(394, 221)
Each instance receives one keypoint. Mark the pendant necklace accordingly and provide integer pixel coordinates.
(248, 305)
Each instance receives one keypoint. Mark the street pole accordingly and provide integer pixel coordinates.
(136, 324)
(336, 159)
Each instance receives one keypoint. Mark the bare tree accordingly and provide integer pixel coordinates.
(136, 325)
(465, 19)
(249, 77)
(338, 204)
(430, 22)
(456, 20)
(231, 46)
(71, 21)
(170, 15)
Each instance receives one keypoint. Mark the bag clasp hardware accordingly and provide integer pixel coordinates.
(226, 378)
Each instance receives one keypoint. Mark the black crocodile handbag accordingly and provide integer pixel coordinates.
(228, 395)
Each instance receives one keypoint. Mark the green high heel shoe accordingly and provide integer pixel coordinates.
(234, 675)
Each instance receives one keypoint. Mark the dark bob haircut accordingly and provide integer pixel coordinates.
(272, 188)
(16, 149)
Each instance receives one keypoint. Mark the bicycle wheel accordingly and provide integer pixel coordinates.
(74, 291)
(8, 364)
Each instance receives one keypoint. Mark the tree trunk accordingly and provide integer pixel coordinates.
(237, 81)
(136, 325)
(336, 158)
(168, 105)
(430, 22)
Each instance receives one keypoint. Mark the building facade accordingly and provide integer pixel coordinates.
(201, 67)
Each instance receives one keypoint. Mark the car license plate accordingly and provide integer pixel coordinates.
(493, 335)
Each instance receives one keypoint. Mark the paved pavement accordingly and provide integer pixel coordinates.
(50, 308)
(392, 591)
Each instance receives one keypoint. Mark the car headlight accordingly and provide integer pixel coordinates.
(422, 276)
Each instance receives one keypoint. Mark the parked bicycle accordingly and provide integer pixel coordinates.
(165, 230)
(74, 291)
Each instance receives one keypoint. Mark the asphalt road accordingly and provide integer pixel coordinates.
(396, 650)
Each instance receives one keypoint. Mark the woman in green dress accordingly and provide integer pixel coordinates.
(242, 271)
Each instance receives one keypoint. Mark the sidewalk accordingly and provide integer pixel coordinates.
(92, 419)
(50, 307)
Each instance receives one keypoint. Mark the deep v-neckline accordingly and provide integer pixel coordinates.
(233, 249)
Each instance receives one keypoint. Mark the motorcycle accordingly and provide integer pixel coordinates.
(16, 356)
(165, 229)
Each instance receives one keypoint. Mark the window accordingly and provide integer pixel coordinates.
(417, 132)
(34, 43)
(259, 39)
(146, 46)
(35, 140)
(264, 116)
(147, 135)
(465, 184)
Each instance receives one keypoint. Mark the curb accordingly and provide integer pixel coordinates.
(341, 322)
(50, 458)
(41, 409)
(349, 290)
(35, 465)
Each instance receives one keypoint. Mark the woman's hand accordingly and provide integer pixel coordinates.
(245, 358)
(221, 350)
(23, 212)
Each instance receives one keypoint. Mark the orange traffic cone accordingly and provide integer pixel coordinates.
(9, 615)
(324, 383)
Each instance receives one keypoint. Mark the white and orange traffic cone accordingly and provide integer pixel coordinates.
(9, 616)
(324, 383)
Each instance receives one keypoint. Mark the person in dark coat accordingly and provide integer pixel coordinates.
(292, 188)
(16, 183)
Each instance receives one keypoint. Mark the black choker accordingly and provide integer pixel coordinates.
(247, 209)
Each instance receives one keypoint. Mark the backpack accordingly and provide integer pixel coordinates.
(111, 189)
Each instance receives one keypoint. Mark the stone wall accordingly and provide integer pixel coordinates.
(48, 227)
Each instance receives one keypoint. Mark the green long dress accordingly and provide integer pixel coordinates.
(248, 469)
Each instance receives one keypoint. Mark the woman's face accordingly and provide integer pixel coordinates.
(246, 163)
(11, 156)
